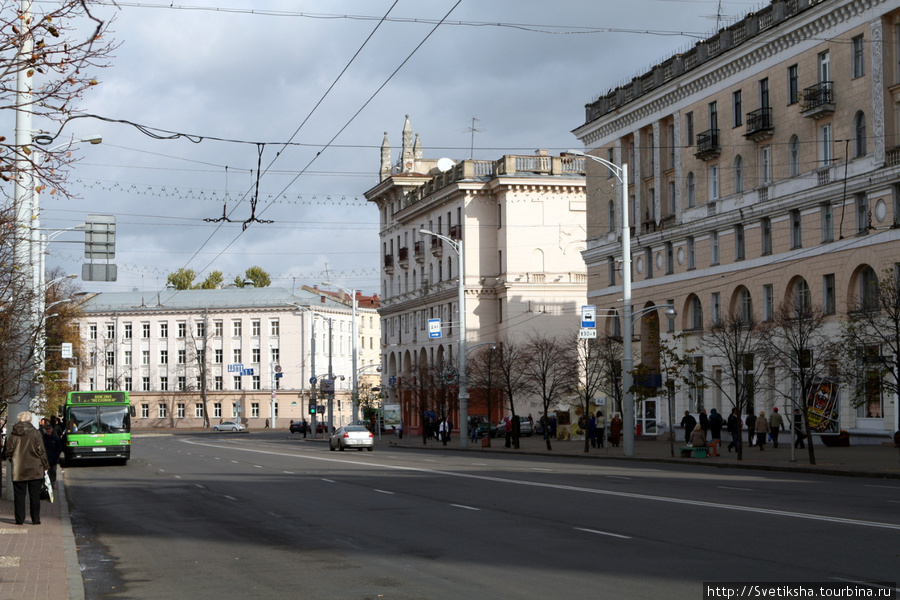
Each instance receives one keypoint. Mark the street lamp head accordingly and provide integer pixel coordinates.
(94, 139)
(425, 232)
(575, 153)
(671, 312)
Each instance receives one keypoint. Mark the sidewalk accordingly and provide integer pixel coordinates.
(878, 461)
(39, 562)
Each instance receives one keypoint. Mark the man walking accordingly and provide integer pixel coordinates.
(776, 423)
(688, 422)
(28, 461)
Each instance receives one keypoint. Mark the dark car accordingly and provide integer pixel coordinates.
(297, 427)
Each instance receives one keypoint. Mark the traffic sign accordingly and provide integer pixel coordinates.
(434, 328)
(588, 316)
(587, 333)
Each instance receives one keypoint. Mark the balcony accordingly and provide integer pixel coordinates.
(759, 125)
(419, 252)
(455, 232)
(817, 102)
(403, 258)
(437, 247)
(708, 146)
(389, 264)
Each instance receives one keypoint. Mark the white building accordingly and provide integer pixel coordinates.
(522, 223)
(171, 349)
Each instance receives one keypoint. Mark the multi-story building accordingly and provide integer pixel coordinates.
(763, 166)
(235, 353)
(522, 223)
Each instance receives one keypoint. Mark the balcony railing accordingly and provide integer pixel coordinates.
(708, 146)
(403, 257)
(817, 101)
(389, 264)
(437, 247)
(759, 125)
(420, 252)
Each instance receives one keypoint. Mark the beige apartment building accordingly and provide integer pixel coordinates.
(234, 353)
(764, 164)
(521, 220)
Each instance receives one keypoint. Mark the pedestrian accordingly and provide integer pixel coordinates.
(304, 427)
(698, 437)
(449, 428)
(57, 425)
(592, 431)
(444, 435)
(762, 429)
(267, 424)
(715, 424)
(553, 426)
(734, 425)
(687, 423)
(615, 430)
(799, 434)
(751, 429)
(473, 430)
(28, 463)
(776, 423)
(507, 427)
(601, 428)
(400, 431)
(53, 448)
(704, 420)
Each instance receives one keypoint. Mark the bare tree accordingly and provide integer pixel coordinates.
(550, 373)
(483, 376)
(591, 371)
(417, 392)
(511, 356)
(733, 344)
(802, 354)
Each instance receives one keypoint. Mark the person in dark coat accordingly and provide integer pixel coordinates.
(53, 447)
(615, 429)
(751, 428)
(704, 421)
(715, 424)
(734, 425)
(28, 463)
(687, 423)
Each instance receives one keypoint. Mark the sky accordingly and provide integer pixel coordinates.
(242, 78)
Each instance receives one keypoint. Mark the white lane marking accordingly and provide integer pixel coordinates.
(288, 472)
(429, 460)
(542, 469)
(886, 487)
(258, 466)
(571, 488)
(177, 476)
(894, 501)
(198, 485)
(328, 480)
(465, 507)
(230, 498)
(235, 462)
(479, 464)
(725, 487)
(384, 492)
(615, 535)
(618, 477)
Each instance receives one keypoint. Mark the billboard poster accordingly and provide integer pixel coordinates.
(823, 407)
(392, 416)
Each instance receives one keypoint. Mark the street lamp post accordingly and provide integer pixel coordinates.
(621, 173)
(457, 245)
(354, 417)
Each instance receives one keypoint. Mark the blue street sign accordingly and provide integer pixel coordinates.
(235, 368)
(588, 316)
(434, 328)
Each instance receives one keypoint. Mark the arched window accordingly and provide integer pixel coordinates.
(738, 174)
(691, 192)
(794, 156)
(868, 289)
(802, 295)
(611, 216)
(745, 305)
(859, 135)
(696, 313)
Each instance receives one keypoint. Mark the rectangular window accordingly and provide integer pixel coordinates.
(92, 332)
(691, 254)
(714, 248)
(163, 357)
(217, 410)
(218, 327)
(254, 410)
(793, 84)
(236, 355)
(111, 358)
(611, 270)
(219, 355)
(257, 383)
(145, 384)
(648, 258)
(179, 410)
(857, 47)
(198, 410)
(768, 302)
(145, 411)
(236, 328)
(127, 358)
(671, 204)
(145, 330)
(737, 109)
(274, 328)
(128, 384)
(218, 383)
(110, 331)
(254, 328)
(765, 227)
(826, 141)
(689, 128)
(237, 382)
(827, 222)
(671, 140)
(716, 307)
(863, 219)
(163, 410)
(713, 182)
(182, 329)
(182, 383)
(182, 357)
(254, 355)
(765, 165)
(713, 112)
(163, 330)
(670, 259)
(276, 353)
(145, 357)
(739, 242)
(829, 305)
(796, 230)
(201, 329)
(163, 384)
(610, 157)
(127, 332)
(110, 383)
(764, 93)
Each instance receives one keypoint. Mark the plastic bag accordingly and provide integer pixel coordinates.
(47, 489)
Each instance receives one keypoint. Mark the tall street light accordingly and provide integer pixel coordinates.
(621, 173)
(457, 245)
(354, 417)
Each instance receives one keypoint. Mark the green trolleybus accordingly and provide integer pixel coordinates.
(98, 425)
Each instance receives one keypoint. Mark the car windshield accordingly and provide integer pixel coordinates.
(355, 428)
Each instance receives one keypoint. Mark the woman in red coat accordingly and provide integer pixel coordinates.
(615, 430)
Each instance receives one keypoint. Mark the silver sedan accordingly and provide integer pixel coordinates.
(351, 436)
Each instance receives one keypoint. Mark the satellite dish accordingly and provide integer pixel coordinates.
(445, 164)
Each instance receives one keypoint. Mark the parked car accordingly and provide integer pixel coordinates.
(351, 436)
(484, 426)
(297, 427)
(526, 429)
(228, 426)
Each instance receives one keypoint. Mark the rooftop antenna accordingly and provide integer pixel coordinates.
(473, 131)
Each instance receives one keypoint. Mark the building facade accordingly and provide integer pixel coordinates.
(233, 353)
(521, 221)
(764, 167)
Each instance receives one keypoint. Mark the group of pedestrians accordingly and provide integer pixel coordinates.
(32, 453)
(760, 428)
(710, 426)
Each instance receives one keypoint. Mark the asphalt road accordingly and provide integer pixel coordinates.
(266, 516)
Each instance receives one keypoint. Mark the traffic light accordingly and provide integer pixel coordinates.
(312, 409)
